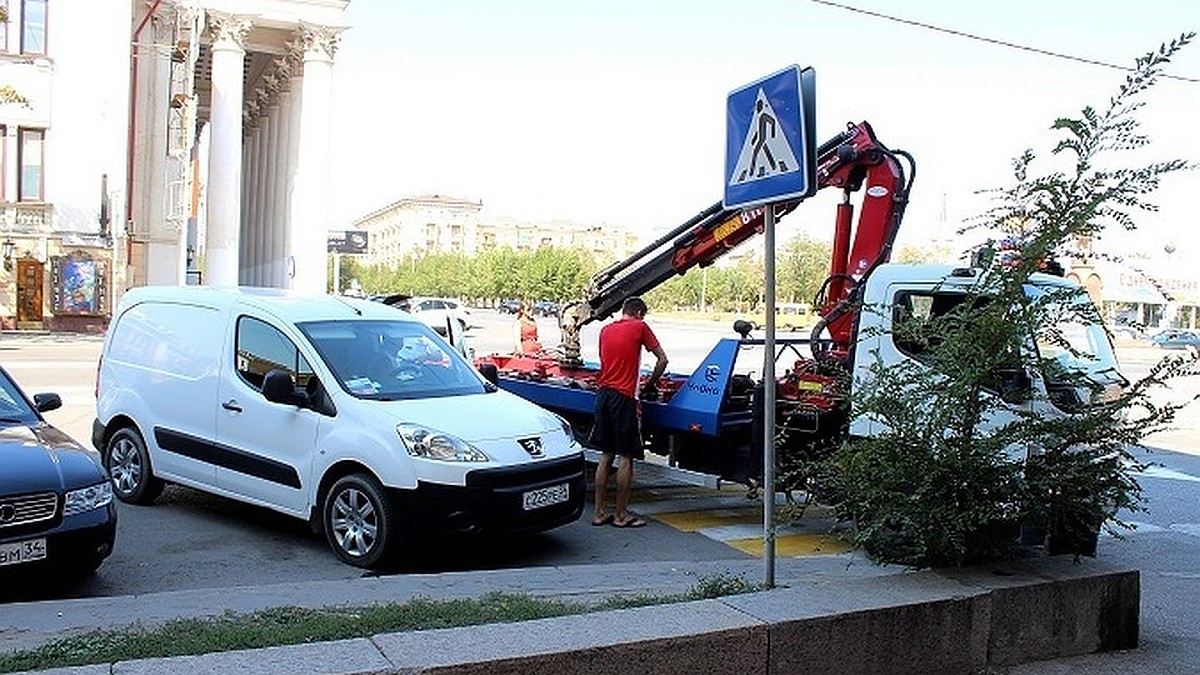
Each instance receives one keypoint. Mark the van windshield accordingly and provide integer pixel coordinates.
(391, 360)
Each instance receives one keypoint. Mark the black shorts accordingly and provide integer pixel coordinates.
(618, 425)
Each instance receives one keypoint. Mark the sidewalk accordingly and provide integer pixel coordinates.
(827, 615)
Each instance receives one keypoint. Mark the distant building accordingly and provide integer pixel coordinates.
(418, 226)
(1141, 292)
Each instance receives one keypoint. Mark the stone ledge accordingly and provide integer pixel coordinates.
(947, 621)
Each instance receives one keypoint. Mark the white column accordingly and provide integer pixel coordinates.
(162, 239)
(225, 158)
(246, 222)
(279, 186)
(284, 263)
(261, 217)
(271, 222)
(310, 200)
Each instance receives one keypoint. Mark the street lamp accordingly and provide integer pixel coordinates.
(7, 249)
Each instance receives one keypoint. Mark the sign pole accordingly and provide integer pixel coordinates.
(768, 380)
(337, 273)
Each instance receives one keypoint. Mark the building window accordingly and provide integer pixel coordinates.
(30, 153)
(33, 26)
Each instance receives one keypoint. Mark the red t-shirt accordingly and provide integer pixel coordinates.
(621, 345)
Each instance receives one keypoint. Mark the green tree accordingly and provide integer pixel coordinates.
(938, 486)
(801, 268)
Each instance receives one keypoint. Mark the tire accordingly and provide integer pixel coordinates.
(359, 521)
(128, 465)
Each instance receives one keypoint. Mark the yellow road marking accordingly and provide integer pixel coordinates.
(792, 545)
(691, 521)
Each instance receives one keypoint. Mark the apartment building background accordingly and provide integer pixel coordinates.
(420, 225)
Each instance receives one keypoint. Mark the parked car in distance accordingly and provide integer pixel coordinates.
(397, 300)
(436, 311)
(509, 306)
(1127, 332)
(1174, 338)
(545, 308)
(56, 503)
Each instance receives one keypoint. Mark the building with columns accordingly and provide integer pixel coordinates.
(230, 142)
(160, 142)
(425, 224)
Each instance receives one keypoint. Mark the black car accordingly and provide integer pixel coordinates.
(56, 502)
(510, 306)
(397, 300)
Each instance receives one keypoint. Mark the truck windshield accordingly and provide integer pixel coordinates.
(391, 360)
(1078, 361)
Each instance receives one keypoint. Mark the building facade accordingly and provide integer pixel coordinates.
(63, 103)
(418, 226)
(160, 142)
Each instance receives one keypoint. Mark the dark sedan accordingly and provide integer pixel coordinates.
(56, 505)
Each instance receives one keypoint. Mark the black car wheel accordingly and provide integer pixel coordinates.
(359, 521)
(128, 465)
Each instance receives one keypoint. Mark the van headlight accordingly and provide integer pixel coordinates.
(88, 498)
(433, 444)
(566, 429)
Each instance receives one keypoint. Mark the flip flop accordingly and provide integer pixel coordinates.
(631, 522)
(605, 519)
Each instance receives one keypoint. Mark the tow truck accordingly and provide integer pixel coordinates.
(710, 422)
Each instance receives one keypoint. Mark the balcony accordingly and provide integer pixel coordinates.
(25, 218)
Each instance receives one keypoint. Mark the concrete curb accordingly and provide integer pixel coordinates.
(953, 621)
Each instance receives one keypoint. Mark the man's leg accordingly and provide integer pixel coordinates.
(603, 471)
(624, 487)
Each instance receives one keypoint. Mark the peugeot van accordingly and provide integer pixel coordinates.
(344, 412)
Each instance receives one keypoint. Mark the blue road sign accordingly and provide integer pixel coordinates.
(770, 140)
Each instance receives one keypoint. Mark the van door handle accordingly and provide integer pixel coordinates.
(232, 404)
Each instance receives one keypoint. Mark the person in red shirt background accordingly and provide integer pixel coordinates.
(617, 428)
(526, 331)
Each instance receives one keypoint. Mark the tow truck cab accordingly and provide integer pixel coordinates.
(923, 292)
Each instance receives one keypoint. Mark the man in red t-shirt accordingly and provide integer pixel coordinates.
(617, 428)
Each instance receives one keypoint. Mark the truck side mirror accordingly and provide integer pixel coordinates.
(278, 387)
(1014, 384)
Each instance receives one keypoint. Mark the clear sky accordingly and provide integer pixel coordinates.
(614, 112)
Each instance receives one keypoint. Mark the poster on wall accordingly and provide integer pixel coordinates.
(78, 287)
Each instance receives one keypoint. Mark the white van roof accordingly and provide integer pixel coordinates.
(285, 304)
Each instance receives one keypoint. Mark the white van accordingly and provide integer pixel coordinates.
(340, 411)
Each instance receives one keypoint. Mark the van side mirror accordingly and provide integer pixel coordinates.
(278, 387)
(490, 373)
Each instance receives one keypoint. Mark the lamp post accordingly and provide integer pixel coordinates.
(7, 248)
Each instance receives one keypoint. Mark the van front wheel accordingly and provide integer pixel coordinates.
(128, 464)
(359, 521)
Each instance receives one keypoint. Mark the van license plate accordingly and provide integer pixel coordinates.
(22, 551)
(536, 499)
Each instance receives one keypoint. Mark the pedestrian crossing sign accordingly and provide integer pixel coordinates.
(770, 141)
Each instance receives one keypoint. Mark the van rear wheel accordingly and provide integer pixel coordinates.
(359, 521)
(128, 464)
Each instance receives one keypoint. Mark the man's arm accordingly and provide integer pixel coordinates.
(648, 391)
(660, 366)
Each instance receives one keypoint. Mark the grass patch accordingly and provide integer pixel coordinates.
(297, 625)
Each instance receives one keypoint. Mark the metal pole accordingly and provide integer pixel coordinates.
(337, 273)
(768, 379)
